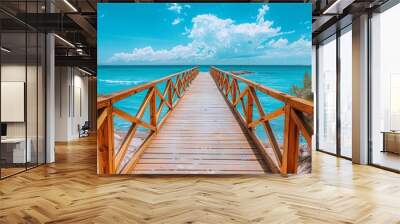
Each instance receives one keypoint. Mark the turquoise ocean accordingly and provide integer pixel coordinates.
(280, 77)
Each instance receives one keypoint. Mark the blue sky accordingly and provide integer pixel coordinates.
(203, 34)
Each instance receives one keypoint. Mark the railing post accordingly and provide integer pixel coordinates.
(291, 144)
(221, 79)
(153, 108)
(110, 138)
(184, 76)
(225, 81)
(221, 82)
(170, 92)
(234, 93)
(102, 146)
(227, 86)
(249, 108)
(179, 82)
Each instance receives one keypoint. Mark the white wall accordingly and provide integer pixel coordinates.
(61, 103)
(80, 110)
(33, 126)
(71, 94)
(12, 73)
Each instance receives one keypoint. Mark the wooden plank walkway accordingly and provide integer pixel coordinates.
(201, 136)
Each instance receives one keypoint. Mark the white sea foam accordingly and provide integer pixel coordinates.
(122, 82)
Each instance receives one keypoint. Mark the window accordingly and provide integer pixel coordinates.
(327, 96)
(346, 93)
(23, 89)
(385, 89)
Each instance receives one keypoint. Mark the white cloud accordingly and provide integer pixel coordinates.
(175, 7)
(210, 36)
(224, 33)
(280, 43)
(301, 43)
(179, 52)
(213, 38)
(261, 13)
(177, 21)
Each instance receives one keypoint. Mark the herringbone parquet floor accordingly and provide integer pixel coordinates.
(71, 192)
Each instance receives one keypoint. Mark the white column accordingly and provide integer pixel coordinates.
(360, 90)
(314, 90)
(50, 99)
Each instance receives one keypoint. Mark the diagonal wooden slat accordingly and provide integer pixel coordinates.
(101, 118)
(276, 113)
(230, 88)
(177, 89)
(124, 146)
(132, 119)
(241, 95)
(163, 100)
(163, 96)
(306, 133)
(267, 127)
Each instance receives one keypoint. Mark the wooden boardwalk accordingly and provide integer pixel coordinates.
(202, 130)
(201, 136)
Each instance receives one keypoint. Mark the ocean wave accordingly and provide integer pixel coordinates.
(122, 82)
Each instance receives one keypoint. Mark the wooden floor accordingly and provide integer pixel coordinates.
(10, 171)
(201, 136)
(69, 191)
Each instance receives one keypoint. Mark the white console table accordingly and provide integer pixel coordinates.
(19, 155)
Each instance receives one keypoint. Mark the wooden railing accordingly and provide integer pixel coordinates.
(109, 161)
(296, 112)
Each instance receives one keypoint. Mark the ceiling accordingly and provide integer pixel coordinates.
(75, 23)
(330, 15)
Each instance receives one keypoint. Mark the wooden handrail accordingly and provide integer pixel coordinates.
(111, 162)
(104, 101)
(295, 110)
